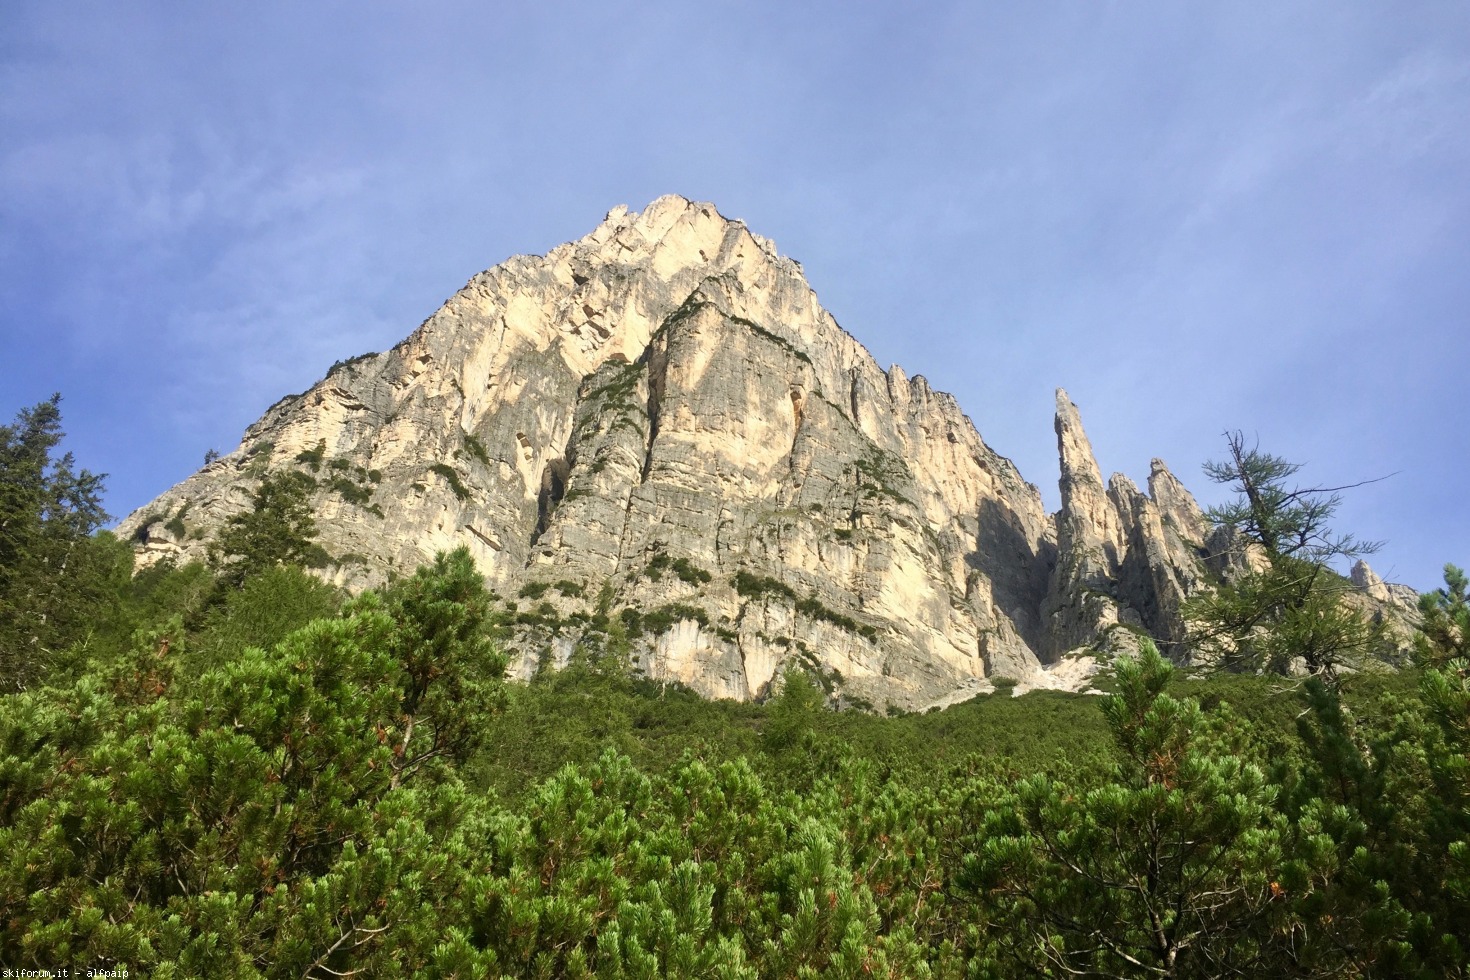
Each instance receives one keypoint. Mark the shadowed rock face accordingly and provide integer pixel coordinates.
(1125, 560)
(637, 418)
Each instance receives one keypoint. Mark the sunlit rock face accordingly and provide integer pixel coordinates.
(1126, 560)
(661, 417)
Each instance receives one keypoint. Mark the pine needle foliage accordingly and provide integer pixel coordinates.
(268, 782)
(53, 573)
(1284, 606)
(1165, 869)
(280, 528)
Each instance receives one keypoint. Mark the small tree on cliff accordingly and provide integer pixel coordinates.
(1288, 605)
(278, 529)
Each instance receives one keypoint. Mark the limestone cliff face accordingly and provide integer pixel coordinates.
(658, 429)
(665, 400)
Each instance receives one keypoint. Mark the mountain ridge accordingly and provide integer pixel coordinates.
(658, 425)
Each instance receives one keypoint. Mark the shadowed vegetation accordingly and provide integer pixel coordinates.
(241, 773)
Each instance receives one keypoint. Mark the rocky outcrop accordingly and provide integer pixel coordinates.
(1126, 561)
(1080, 604)
(655, 440)
(659, 426)
(1390, 594)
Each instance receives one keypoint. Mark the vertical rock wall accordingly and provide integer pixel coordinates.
(659, 426)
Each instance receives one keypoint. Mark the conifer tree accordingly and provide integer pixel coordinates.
(278, 529)
(1287, 606)
(53, 575)
(1444, 636)
(257, 819)
(1167, 869)
(447, 671)
(1445, 647)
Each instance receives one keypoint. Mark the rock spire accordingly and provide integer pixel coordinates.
(658, 429)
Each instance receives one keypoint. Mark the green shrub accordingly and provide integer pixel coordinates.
(662, 619)
(781, 342)
(881, 473)
(265, 609)
(543, 615)
(476, 448)
(619, 389)
(452, 478)
(813, 608)
(686, 570)
(754, 586)
(349, 362)
(351, 492)
(316, 556)
(313, 457)
(176, 523)
(632, 621)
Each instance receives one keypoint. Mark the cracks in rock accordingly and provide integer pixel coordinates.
(852, 397)
(724, 522)
(658, 363)
(741, 653)
(554, 476)
(553, 488)
(491, 542)
(797, 413)
(627, 523)
(795, 477)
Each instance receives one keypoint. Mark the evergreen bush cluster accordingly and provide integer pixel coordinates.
(235, 772)
(753, 586)
(312, 457)
(684, 569)
(661, 619)
(452, 478)
(360, 793)
(476, 449)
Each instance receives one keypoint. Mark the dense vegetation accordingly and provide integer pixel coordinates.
(236, 772)
(1285, 606)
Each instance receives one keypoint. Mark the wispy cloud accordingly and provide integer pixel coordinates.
(202, 207)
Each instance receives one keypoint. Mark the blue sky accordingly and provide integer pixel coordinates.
(1255, 216)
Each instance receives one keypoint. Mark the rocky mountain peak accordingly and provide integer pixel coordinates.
(1177, 506)
(1369, 583)
(657, 432)
(1091, 519)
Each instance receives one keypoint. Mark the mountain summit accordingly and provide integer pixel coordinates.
(657, 432)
